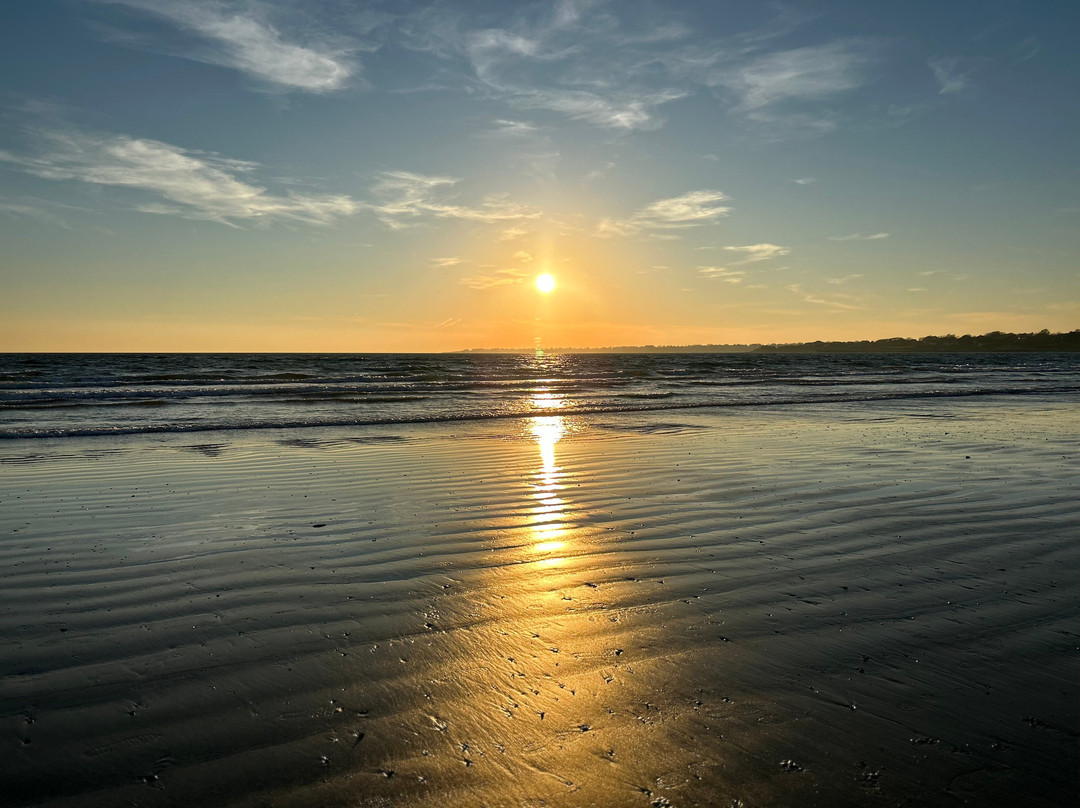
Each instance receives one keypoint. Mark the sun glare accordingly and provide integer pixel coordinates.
(545, 283)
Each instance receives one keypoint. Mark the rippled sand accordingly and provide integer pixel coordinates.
(820, 606)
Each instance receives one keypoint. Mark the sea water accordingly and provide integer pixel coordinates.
(61, 395)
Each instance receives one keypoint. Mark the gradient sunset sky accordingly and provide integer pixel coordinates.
(332, 175)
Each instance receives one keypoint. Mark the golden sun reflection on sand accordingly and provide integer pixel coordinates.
(548, 517)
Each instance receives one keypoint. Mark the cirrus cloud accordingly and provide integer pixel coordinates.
(240, 37)
(722, 273)
(407, 198)
(501, 277)
(859, 237)
(758, 252)
(189, 184)
(692, 209)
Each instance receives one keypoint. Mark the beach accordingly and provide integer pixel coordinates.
(818, 604)
(549, 404)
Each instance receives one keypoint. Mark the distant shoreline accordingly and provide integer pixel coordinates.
(994, 342)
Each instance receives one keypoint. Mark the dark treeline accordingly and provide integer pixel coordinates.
(994, 341)
(950, 343)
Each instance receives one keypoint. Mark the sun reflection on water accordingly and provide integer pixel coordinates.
(548, 518)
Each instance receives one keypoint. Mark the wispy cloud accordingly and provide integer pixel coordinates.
(776, 88)
(449, 322)
(193, 185)
(498, 56)
(1028, 48)
(844, 279)
(692, 209)
(444, 263)
(837, 302)
(534, 153)
(502, 277)
(797, 75)
(619, 110)
(953, 74)
(575, 61)
(600, 172)
(513, 233)
(618, 66)
(508, 128)
(722, 273)
(859, 237)
(804, 181)
(42, 210)
(408, 198)
(752, 253)
(239, 36)
(689, 210)
(587, 61)
(487, 49)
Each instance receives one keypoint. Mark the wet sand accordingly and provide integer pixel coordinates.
(815, 606)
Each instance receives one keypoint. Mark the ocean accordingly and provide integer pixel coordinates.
(67, 395)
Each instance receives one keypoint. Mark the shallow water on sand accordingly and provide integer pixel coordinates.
(812, 606)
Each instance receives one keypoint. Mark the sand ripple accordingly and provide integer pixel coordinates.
(808, 607)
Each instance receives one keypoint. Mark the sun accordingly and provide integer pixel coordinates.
(545, 283)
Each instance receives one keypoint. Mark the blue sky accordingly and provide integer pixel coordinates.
(285, 175)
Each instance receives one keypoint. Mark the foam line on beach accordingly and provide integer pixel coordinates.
(137, 427)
